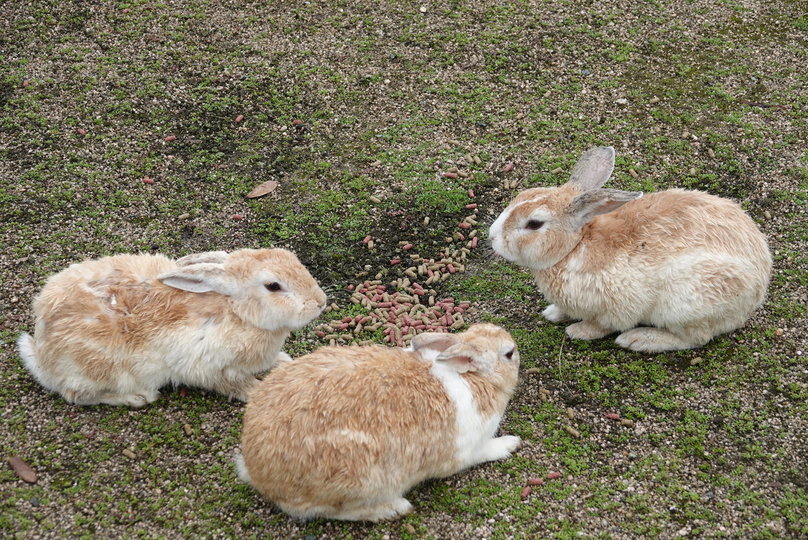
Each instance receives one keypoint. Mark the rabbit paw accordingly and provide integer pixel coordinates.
(587, 330)
(364, 512)
(649, 339)
(553, 313)
(131, 400)
(499, 448)
(283, 357)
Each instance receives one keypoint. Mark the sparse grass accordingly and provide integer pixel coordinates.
(344, 102)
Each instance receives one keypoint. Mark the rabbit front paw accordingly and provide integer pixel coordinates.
(587, 330)
(555, 314)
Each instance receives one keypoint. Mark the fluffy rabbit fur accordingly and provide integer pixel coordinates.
(116, 329)
(344, 432)
(685, 265)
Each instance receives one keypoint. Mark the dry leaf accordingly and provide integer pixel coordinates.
(22, 469)
(260, 190)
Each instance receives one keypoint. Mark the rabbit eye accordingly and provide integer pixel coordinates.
(534, 224)
(274, 286)
(509, 354)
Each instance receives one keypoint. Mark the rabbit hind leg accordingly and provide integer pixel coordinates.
(650, 339)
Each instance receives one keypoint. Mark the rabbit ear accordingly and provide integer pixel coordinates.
(201, 278)
(217, 257)
(599, 201)
(433, 340)
(464, 357)
(593, 168)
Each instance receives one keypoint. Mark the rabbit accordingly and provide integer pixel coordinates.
(344, 432)
(668, 270)
(115, 329)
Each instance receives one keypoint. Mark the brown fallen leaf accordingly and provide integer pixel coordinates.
(23, 470)
(262, 189)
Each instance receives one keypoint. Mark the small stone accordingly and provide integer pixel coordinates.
(696, 361)
(633, 173)
(409, 527)
(627, 422)
(422, 9)
(376, 163)
(186, 215)
(711, 152)
(778, 332)
(653, 100)
(621, 101)
(557, 170)
(188, 429)
(570, 413)
(767, 214)
(128, 453)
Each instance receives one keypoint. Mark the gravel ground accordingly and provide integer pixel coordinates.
(141, 126)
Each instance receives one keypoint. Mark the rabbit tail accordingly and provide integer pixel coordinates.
(241, 469)
(27, 349)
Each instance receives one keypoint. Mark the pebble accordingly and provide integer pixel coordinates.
(778, 332)
(557, 170)
(128, 453)
(696, 361)
(188, 429)
(570, 413)
(184, 216)
(767, 214)
(621, 101)
(409, 527)
(653, 100)
(710, 152)
(633, 173)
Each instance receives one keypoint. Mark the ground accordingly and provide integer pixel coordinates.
(140, 126)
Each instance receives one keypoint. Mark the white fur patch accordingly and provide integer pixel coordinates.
(576, 262)
(473, 431)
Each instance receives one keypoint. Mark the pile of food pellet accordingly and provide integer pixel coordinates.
(407, 305)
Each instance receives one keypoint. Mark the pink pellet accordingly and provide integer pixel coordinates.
(471, 206)
(367, 239)
(297, 122)
(170, 138)
(450, 175)
(553, 475)
(239, 118)
(525, 493)
(461, 236)
(508, 167)
(406, 247)
(394, 262)
(236, 217)
(384, 304)
(474, 241)
(148, 180)
(464, 225)
(612, 416)
(535, 481)
(346, 319)
(343, 326)
(81, 131)
(320, 333)
(471, 193)
(350, 287)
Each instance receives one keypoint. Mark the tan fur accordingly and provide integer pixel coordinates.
(689, 263)
(110, 331)
(343, 432)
